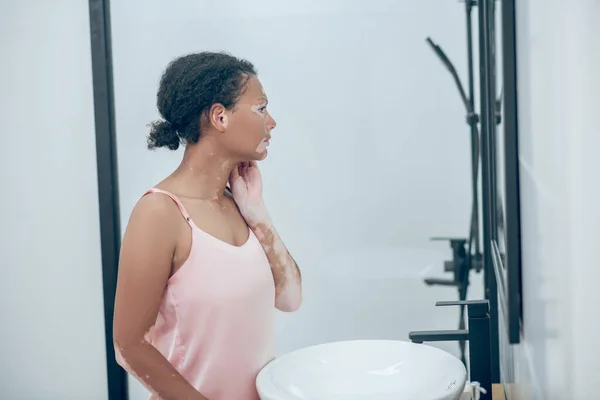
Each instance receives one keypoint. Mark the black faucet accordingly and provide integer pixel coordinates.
(462, 263)
(478, 335)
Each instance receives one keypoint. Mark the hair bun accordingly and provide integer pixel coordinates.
(163, 134)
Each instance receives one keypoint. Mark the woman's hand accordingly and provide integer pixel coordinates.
(246, 186)
(245, 182)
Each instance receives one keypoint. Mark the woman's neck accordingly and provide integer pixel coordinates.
(207, 168)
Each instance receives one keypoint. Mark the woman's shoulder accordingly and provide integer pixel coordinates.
(154, 209)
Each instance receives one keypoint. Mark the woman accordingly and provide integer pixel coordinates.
(202, 267)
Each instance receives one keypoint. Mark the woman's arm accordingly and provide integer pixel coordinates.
(144, 268)
(246, 187)
(288, 280)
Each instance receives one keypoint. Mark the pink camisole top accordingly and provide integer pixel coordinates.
(215, 324)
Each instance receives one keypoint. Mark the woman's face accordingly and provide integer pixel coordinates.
(249, 125)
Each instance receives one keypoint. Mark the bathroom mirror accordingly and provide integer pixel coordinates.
(501, 157)
(353, 86)
(512, 222)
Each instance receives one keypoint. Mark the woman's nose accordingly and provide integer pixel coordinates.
(271, 123)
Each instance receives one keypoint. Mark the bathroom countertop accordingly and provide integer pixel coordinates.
(498, 392)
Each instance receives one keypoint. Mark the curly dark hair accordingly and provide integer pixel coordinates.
(190, 85)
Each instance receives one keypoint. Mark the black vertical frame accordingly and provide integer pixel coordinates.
(108, 193)
(502, 271)
(511, 165)
(487, 100)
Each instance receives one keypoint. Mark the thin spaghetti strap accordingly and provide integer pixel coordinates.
(182, 209)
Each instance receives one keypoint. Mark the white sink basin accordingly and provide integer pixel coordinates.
(365, 370)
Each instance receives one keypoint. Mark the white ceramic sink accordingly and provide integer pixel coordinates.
(363, 370)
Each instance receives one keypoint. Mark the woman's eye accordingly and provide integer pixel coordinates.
(262, 109)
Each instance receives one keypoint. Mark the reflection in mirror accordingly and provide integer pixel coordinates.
(370, 156)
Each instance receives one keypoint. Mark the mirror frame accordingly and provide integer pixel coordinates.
(513, 264)
(503, 221)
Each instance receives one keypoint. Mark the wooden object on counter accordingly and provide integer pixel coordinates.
(498, 392)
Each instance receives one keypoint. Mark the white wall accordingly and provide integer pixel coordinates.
(52, 324)
(371, 156)
(559, 93)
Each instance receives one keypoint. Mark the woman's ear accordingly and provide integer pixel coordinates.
(218, 117)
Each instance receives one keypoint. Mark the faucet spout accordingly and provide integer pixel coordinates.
(438, 336)
(478, 335)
